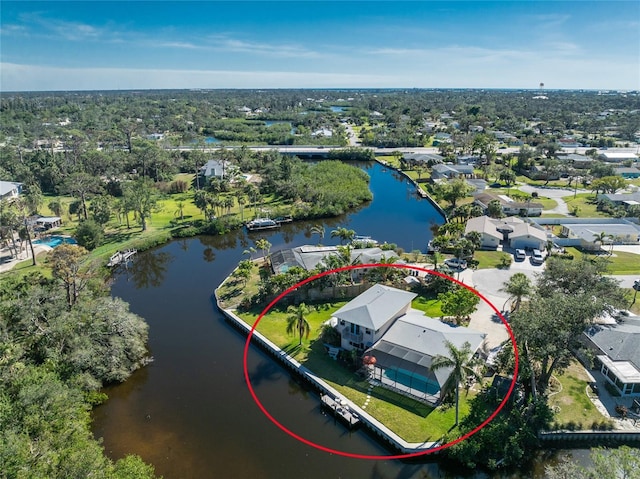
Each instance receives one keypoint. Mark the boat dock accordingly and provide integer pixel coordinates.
(121, 257)
(340, 410)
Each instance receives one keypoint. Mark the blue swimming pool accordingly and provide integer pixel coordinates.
(55, 240)
(412, 380)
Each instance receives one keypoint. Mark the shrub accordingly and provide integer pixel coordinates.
(89, 234)
(178, 186)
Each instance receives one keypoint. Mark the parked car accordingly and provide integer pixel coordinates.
(536, 257)
(520, 255)
(455, 263)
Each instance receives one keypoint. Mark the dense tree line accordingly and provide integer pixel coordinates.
(61, 340)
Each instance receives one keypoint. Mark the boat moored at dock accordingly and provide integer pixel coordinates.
(262, 224)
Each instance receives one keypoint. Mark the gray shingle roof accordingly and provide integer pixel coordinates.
(375, 307)
(417, 339)
(620, 342)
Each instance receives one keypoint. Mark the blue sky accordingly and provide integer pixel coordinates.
(86, 45)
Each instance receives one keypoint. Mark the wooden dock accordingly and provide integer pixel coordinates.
(340, 410)
(121, 257)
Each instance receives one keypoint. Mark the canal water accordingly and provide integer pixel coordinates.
(189, 412)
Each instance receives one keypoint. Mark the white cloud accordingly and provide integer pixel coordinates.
(260, 48)
(565, 73)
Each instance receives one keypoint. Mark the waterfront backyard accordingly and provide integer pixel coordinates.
(412, 420)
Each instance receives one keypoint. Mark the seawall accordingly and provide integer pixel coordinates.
(378, 429)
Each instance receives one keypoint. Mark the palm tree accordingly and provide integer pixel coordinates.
(319, 230)
(263, 245)
(461, 362)
(343, 233)
(297, 322)
(180, 211)
(600, 237)
(518, 286)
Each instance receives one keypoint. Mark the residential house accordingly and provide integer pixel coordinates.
(509, 206)
(579, 162)
(630, 172)
(523, 208)
(568, 143)
(489, 233)
(10, 190)
(402, 340)
(621, 232)
(617, 353)
(309, 257)
(48, 222)
(539, 172)
(610, 156)
(527, 236)
(364, 320)
(216, 169)
(443, 171)
(441, 138)
(621, 199)
(423, 158)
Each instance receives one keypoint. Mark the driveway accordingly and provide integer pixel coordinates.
(554, 193)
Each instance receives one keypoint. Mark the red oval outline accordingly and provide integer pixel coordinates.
(365, 456)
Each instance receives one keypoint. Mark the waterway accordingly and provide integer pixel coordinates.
(189, 412)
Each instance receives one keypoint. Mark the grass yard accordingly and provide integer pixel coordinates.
(412, 420)
(570, 400)
(430, 306)
(587, 208)
(547, 203)
(490, 259)
(620, 262)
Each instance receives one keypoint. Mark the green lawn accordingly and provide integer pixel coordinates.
(587, 208)
(620, 262)
(547, 203)
(489, 259)
(410, 419)
(572, 404)
(430, 306)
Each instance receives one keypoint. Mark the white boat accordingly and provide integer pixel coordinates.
(262, 224)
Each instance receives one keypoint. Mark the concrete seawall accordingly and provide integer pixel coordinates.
(377, 428)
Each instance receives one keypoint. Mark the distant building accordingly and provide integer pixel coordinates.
(423, 158)
(216, 169)
(10, 190)
(309, 257)
(617, 156)
(621, 199)
(628, 172)
(443, 171)
(621, 232)
(509, 206)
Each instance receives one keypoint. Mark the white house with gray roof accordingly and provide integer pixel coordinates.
(364, 320)
(405, 353)
(617, 348)
(402, 340)
(10, 190)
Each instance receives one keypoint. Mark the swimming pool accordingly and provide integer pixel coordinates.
(55, 240)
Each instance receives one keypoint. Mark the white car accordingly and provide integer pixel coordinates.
(455, 263)
(520, 255)
(536, 257)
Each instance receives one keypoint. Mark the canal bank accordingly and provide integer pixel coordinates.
(321, 387)
(189, 412)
